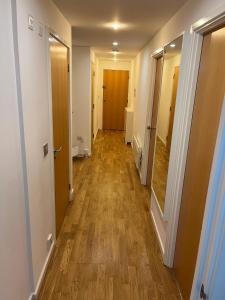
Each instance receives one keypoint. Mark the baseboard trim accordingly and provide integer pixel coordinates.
(34, 296)
(158, 222)
(95, 135)
(71, 195)
(157, 233)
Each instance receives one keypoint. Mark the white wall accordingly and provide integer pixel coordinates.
(15, 282)
(166, 96)
(35, 88)
(113, 65)
(142, 81)
(81, 84)
(190, 13)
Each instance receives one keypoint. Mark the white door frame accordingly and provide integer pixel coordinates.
(179, 145)
(191, 53)
(211, 253)
(182, 123)
(106, 64)
(154, 57)
(51, 32)
(190, 58)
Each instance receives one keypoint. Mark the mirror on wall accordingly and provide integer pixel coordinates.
(165, 119)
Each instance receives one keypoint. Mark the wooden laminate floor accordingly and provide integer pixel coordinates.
(160, 172)
(107, 248)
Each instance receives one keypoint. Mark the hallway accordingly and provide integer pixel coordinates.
(107, 248)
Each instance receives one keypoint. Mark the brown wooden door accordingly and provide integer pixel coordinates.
(92, 101)
(172, 107)
(207, 109)
(152, 129)
(60, 109)
(115, 97)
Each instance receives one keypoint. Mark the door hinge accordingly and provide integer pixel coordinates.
(69, 186)
(68, 68)
(202, 293)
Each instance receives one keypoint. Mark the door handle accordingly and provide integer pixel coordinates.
(56, 151)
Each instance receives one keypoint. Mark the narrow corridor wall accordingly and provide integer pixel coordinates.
(81, 85)
(15, 281)
(36, 108)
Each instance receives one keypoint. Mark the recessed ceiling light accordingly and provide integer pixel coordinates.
(172, 45)
(115, 51)
(115, 43)
(115, 26)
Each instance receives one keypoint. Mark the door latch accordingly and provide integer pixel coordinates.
(202, 293)
(56, 151)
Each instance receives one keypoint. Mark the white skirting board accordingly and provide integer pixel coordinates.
(75, 151)
(42, 275)
(71, 194)
(129, 115)
(159, 223)
(137, 152)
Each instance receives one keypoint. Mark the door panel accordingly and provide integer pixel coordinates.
(207, 109)
(92, 102)
(155, 107)
(115, 97)
(60, 109)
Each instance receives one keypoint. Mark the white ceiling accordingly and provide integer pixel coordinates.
(140, 20)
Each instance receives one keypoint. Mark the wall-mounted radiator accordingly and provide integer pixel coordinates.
(137, 152)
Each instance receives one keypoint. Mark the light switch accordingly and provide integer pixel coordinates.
(45, 149)
(31, 22)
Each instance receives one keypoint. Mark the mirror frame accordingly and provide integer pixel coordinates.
(157, 54)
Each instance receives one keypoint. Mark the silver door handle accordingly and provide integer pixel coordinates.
(56, 151)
